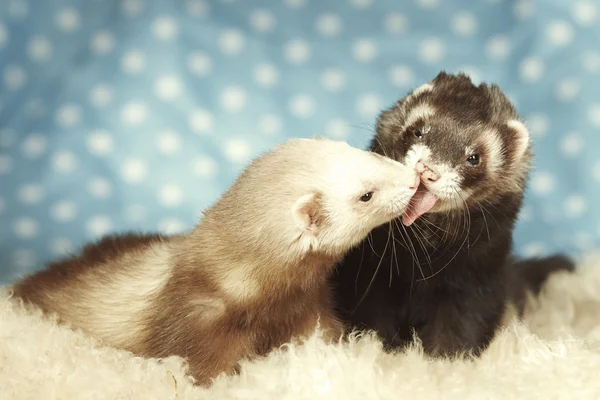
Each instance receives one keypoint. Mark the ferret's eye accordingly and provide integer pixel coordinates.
(366, 197)
(473, 159)
(418, 133)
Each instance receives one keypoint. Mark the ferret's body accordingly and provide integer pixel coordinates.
(450, 263)
(250, 277)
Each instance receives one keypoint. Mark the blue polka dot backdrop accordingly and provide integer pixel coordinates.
(137, 114)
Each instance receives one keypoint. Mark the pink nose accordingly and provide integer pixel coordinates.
(427, 174)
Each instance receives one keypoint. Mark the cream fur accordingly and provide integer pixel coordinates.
(555, 355)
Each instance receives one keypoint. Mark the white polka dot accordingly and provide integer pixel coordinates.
(473, 73)
(270, 125)
(266, 75)
(534, 249)
(567, 89)
(3, 35)
(64, 211)
(168, 88)
(295, 3)
(596, 171)
(538, 125)
(18, 9)
(133, 62)
(34, 145)
(199, 64)
(262, 21)
(560, 33)
(101, 95)
(5, 164)
(233, 98)
(571, 145)
(68, 115)
(594, 114)
(497, 48)
(26, 228)
(364, 50)
(136, 212)
(39, 49)
(297, 51)
(301, 106)
(432, 50)
(526, 214)
(401, 76)
(165, 28)
(64, 161)
(99, 187)
(170, 196)
(333, 80)
(362, 4)
(464, 24)
(30, 193)
(337, 129)
(591, 61)
(133, 171)
(524, 9)
(237, 150)
(171, 226)
(134, 113)
(231, 42)
(132, 7)
(99, 142)
(204, 167)
(14, 77)
(197, 8)
(102, 42)
(61, 246)
(531, 69)
(168, 142)
(98, 226)
(575, 206)
(329, 25)
(585, 12)
(543, 183)
(428, 4)
(396, 23)
(369, 105)
(68, 20)
(25, 259)
(201, 121)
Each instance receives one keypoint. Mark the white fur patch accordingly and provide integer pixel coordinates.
(421, 111)
(208, 309)
(426, 87)
(493, 146)
(522, 137)
(238, 284)
(417, 152)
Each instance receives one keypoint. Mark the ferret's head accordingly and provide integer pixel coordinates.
(317, 195)
(466, 142)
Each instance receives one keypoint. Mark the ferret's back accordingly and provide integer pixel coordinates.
(106, 289)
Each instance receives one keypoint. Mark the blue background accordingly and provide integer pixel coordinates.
(138, 114)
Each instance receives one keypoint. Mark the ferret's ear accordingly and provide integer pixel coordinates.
(307, 212)
(521, 138)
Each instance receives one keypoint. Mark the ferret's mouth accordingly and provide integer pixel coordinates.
(421, 202)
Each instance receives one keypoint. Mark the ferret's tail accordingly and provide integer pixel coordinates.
(527, 276)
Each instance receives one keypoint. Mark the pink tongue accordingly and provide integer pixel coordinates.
(419, 204)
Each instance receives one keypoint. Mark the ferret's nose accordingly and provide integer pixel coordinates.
(427, 175)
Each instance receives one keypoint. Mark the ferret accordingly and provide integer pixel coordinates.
(448, 260)
(251, 276)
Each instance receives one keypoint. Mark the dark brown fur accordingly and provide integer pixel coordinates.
(445, 278)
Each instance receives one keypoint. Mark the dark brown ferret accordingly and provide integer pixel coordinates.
(250, 277)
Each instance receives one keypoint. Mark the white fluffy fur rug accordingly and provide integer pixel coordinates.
(555, 354)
